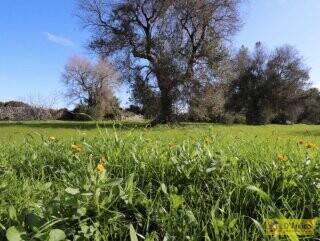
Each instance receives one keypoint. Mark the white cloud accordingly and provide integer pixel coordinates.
(58, 39)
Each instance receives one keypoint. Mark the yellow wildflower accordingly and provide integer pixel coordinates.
(101, 168)
(78, 149)
(74, 146)
(280, 157)
(207, 140)
(311, 145)
(52, 138)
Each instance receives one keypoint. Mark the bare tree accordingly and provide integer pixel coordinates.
(41, 101)
(168, 41)
(90, 83)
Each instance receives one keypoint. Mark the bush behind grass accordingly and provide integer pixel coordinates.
(212, 186)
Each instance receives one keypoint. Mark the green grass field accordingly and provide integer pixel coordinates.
(126, 181)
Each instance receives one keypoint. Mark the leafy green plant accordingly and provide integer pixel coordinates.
(125, 184)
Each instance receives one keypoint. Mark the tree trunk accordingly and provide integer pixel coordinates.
(255, 114)
(166, 115)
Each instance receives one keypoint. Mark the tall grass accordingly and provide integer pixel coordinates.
(212, 186)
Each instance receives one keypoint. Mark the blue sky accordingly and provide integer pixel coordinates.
(38, 36)
(279, 22)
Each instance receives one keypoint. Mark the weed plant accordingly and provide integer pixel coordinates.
(134, 186)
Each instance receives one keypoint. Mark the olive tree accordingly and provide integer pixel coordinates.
(267, 85)
(170, 42)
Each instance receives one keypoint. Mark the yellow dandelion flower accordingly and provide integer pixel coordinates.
(74, 146)
(101, 168)
(311, 145)
(280, 157)
(52, 138)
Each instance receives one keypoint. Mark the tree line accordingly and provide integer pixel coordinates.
(174, 55)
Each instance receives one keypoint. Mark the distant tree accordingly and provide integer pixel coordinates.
(311, 108)
(247, 87)
(173, 41)
(13, 103)
(287, 83)
(90, 84)
(209, 103)
(266, 86)
(134, 109)
(145, 97)
(40, 101)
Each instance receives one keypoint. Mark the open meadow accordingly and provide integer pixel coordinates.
(219, 135)
(127, 181)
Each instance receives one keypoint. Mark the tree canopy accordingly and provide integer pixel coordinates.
(175, 44)
(91, 84)
(268, 85)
